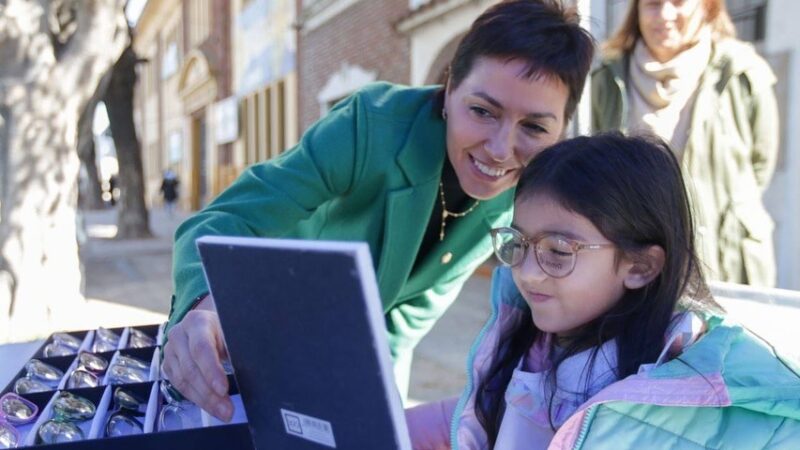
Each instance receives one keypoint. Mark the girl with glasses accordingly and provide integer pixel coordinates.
(603, 332)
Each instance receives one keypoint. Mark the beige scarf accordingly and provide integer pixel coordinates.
(662, 94)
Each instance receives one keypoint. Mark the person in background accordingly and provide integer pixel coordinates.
(603, 334)
(418, 173)
(169, 190)
(674, 68)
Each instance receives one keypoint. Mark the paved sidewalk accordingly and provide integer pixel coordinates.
(132, 272)
(129, 282)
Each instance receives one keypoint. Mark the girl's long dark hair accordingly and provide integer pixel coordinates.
(632, 190)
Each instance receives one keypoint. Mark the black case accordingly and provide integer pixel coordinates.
(213, 436)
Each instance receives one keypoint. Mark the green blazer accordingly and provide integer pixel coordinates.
(367, 171)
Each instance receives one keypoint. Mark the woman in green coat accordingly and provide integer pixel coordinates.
(420, 174)
(674, 69)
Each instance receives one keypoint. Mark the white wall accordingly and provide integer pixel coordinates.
(783, 196)
(429, 38)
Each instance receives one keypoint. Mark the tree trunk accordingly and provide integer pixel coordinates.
(90, 190)
(132, 219)
(53, 54)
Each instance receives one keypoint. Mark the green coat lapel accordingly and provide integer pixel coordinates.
(408, 209)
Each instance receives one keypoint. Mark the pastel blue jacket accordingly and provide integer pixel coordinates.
(728, 390)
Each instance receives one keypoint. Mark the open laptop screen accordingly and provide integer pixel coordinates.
(305, 332)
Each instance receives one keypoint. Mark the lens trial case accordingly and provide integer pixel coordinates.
(205, 433)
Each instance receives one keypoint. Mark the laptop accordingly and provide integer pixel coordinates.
(305, 332)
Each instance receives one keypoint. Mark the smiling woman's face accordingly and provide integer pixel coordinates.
(497, 121)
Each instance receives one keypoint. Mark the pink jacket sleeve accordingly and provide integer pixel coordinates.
(429, 424)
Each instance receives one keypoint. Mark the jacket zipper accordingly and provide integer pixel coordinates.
(590, 412)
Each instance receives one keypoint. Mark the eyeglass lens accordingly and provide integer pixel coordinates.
(39, 377)
(81, 378)
(17, 410)
(29, 386)
(555, 255)
(43, 372)
(139, 339)
(56, 431)
(63, 344)
(123, 421)
(128, 369)
(176, 414)
(9, 437)
(105, 340)
(88, 371)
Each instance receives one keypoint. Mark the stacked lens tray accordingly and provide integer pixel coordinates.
(197, 430)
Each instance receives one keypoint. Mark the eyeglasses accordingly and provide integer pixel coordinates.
(127, 369)
(105, 340)
(87, 373)
(14, 411)
(139, 339)
(63, 344)
(17, 410)
(39, 377)
(555, 254)
(177, 413)
(68, 409)
(123, 421)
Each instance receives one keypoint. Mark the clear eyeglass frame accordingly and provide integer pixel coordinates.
(178, 413)
(63, 344)
(127, 369)
(68, 410)
(9, 436)
(39, 377)
(105, 340)
(17, 410)
(139, 339)
(88, 371)
(123, 420)
(555, 254)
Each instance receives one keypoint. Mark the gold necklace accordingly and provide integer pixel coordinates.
(446, 213)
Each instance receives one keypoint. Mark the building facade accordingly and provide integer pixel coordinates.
(217, 91)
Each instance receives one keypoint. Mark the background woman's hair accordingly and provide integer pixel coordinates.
(542, 33)
(632, 190)
(624, 39)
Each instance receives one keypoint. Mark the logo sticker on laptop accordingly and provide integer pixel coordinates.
(309, 428)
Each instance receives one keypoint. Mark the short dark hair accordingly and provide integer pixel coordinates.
(543, 33)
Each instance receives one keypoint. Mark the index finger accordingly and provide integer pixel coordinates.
(206, 356)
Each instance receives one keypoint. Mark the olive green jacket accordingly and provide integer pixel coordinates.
(728, 161)
(368, 171)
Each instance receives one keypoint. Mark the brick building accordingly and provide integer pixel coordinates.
(217, 93)
(345, 44)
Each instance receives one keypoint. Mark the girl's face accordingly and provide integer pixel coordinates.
(564, 305)
(497, 121)
(669, 27)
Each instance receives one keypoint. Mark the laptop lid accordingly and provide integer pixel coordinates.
(305, 331)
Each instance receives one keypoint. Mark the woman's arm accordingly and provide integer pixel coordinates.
(270, 198)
